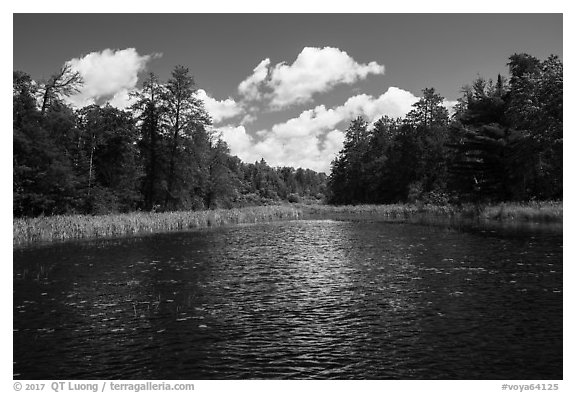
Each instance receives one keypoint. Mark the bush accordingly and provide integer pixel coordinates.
(294, 198)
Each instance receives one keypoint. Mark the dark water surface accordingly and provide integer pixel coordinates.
(299, 300)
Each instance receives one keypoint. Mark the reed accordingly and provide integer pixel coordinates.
(529, 212)
(60, 228)
(550, 212)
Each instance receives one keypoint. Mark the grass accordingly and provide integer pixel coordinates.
(28, 231)
(549, 212)
(528, 212)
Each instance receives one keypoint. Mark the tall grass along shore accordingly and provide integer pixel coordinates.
(28, 231)
(548, 212)
(58, 228)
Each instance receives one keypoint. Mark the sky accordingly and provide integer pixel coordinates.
(283, 87)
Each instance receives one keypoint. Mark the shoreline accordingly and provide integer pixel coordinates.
(44, 230)
(531, 212)
(38, 230)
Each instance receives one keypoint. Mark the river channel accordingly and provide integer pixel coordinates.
(309, 299)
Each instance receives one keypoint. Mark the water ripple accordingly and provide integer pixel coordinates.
(292, 300)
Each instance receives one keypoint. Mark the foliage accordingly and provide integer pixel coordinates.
(503, 143)
(159, 155)
(542, 212)
(60, 228)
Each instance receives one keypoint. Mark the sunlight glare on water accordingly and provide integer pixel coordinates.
(303, 299)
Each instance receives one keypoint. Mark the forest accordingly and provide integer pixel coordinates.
(159, 155)
(503, 142)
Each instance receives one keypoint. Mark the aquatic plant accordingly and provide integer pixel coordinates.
(531, 211)
(528, 212)
(59, 228)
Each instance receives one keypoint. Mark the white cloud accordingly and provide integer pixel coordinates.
(450, 105)
(219, 110)
(249, 87)
(315, 70)
(312, 139)
(334, 141)
(108, 76)
(394, 103)
(238, 140)
(122, 99)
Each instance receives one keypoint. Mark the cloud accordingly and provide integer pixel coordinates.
(239, 142)
(313, 139)
(249, 87)
(315, 70)
(394, 103)
(450, 105)
(220, 110)
(108, 76)
(309, 152)
(122, 99)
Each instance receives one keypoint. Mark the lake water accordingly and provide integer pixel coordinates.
(298, 300)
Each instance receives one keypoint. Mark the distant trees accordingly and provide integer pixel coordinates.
(159, 155)
(109, 160)
(397, 160)
(503, 142)
(44, 181)
(349, 177)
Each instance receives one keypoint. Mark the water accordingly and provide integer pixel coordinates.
(298, 300)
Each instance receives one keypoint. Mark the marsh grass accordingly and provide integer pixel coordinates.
(533, 212)
(528, 212)
(60, 228)
(28, 231)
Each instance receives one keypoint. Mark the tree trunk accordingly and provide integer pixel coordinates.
(90, 170)
(170, 182)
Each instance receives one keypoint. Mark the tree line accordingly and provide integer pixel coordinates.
(158, 155)
(503, 142)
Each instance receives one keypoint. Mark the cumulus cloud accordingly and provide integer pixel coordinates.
(239, 142)
(315, 70)
(108, 76)
(249, 87)
(306, 152)
(394, 102)
(219, 110)
(313, 139)
(122, 99)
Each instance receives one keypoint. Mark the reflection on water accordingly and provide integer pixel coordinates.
(303, 299)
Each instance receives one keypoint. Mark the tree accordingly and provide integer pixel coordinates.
(347, 180)
(43, 177)
(159, 154)
(380, 169)
(429, 111)
(186, 116)
(425, 144)
(149, 112)
(222, 183)
(63, 83)
(535, 108)
(487, 165)
(114, 168)
(509, 135)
